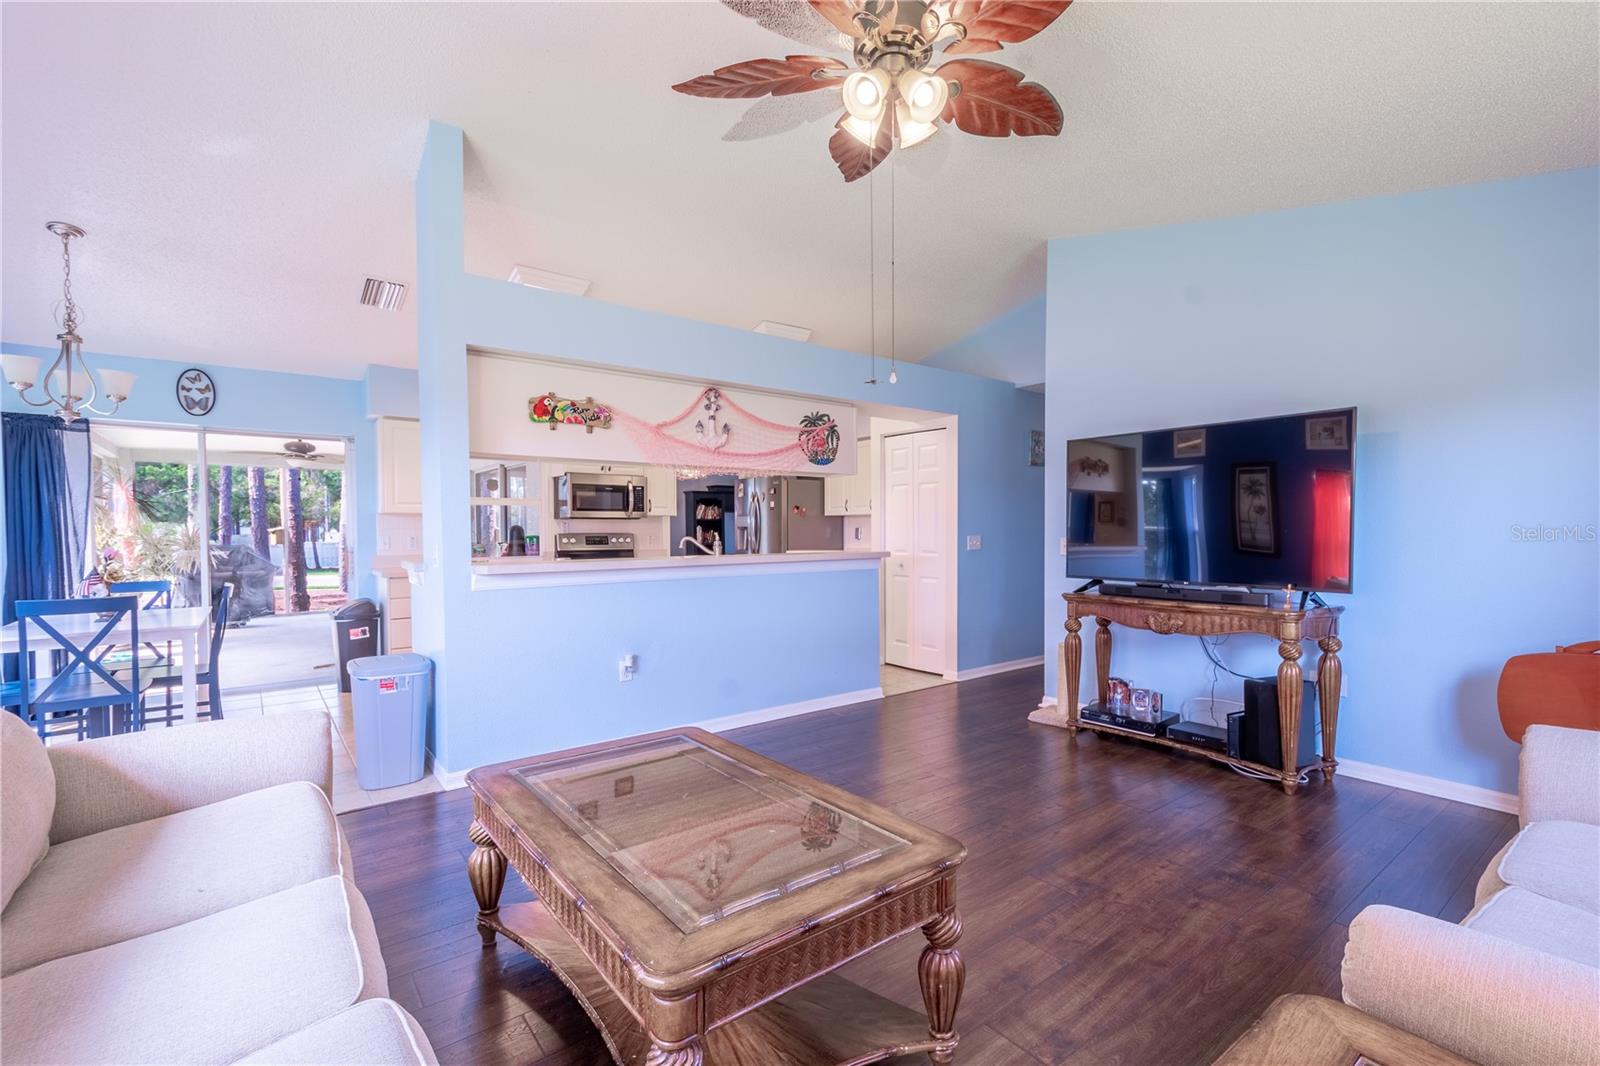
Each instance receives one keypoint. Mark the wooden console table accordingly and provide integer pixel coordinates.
(1179, 618)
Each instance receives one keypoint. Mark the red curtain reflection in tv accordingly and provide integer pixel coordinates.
(1330, 535)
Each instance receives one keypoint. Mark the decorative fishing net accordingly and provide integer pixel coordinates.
(714, 435)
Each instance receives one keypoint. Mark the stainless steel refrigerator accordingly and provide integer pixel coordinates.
(784, 514)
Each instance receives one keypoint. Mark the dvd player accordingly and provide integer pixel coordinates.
(1201, 735)
(1097, 712)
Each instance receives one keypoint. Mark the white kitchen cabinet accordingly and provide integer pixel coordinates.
(851, 494)
(399, 466)
(661, 491)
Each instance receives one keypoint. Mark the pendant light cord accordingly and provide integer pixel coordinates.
(872, 270)
(893, 316)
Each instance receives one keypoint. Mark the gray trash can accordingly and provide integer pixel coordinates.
(390, 696)
(355, 635)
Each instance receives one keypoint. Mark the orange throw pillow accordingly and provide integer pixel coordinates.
(1560, 687)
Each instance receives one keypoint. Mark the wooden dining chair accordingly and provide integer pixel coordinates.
(170, 676)
(84, 683)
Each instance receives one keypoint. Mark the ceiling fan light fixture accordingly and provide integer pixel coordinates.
(908, 131)
(866, 94)
(923, 94)
(863, 130)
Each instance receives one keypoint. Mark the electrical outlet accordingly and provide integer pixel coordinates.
(974, 542)
(1063, 545)
(626, 667)
(411, 542)
(383, 543)
(858, 533)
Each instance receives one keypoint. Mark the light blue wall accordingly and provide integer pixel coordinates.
(1463, 324)
(493, 665)
(391, 392)
(251, 401)
(1010, 347)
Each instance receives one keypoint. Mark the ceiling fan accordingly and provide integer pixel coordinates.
(892, 93)
(301, 453)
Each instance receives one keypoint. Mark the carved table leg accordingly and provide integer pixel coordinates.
(486, 869)
(688, 1055)
(1330, 679)
(942, 973)
(1102, 658)
(1289, 711)
(1071, 672)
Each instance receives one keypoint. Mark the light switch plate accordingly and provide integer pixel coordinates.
(974, 542)
(1063, 545)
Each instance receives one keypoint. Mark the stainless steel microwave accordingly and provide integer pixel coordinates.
(600, 496)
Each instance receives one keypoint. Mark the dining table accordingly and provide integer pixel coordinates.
(186, 627)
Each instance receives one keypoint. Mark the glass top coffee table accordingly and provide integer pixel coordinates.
(695, 896)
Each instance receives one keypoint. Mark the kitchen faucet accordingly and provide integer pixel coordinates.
(691, 542)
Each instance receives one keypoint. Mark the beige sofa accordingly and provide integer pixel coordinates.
(1518, 981)
(185, 896)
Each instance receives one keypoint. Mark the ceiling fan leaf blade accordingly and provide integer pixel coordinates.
(994, 101)
(993, 23)
(855, 159)
(772, 115)
(762, 77)
(797, 20)
(841, 13)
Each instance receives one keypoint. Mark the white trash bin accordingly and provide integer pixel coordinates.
(390, 696)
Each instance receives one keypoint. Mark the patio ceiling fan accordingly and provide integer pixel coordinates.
(301, 453)
(895, 88)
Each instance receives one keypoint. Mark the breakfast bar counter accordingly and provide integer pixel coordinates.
(531, 572)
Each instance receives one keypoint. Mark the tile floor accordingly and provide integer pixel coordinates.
(348, 795)
(897, 680)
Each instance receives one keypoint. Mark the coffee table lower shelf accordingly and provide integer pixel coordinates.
(827, 1020)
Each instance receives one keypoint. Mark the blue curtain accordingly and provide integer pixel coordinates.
(47, 509)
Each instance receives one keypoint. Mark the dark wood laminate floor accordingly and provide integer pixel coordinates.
(1121, 904)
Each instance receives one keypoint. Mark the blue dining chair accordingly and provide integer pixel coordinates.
(84, 683)
(153, 595)
(170, 677)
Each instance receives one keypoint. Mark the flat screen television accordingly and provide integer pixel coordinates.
(1262, 503)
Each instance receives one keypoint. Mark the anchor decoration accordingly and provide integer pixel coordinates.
(712, 435)
(553, 410)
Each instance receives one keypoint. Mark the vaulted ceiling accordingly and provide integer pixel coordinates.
(242, 168)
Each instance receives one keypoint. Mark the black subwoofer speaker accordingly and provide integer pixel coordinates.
(1259, 738)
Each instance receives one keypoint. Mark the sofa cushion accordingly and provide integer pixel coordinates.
(28, 797)
(1530, 919)
(1558, 860)
(376, 1030)
(156, 874)
(209, 991)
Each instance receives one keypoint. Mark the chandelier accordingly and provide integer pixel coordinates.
(68, 386)
(896, 87)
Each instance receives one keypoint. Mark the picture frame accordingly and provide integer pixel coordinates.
(196, 392)
(1035, 447)
(1189, 443)
(1105, 512)
(1328, 433)
(1255, 508)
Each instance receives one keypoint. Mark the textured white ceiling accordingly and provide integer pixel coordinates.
(241, 168)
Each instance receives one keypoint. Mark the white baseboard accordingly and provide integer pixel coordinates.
(1474, 795)
(789, 710)
(994, 668)
(451, 779)
(1048, 701)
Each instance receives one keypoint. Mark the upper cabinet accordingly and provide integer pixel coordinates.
(851, 494)
(399, 466)
(661, 493)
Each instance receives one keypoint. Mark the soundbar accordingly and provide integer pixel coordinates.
(1156, 590)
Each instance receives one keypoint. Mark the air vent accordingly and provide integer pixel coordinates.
(779, 329)
(384, 295)
(534, 278)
